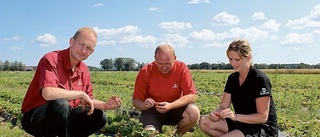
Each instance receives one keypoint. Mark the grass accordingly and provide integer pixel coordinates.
(296, 97)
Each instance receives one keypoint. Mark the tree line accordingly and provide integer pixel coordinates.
(129, 64)
(12, 66)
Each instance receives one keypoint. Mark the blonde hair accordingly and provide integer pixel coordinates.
(240, 46)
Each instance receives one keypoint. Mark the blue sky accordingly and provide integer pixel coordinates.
(283, 31)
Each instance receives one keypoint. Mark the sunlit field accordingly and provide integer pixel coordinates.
(296, 94)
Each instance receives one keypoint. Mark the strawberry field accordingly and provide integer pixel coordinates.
(297, 98)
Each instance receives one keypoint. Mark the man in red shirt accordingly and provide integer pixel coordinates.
(164, 92)
(59, 100)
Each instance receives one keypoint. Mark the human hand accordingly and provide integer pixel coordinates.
(87, 101)
(113, 102)
(214, 116)
(148, 103)
(228, 113)
(162, 107)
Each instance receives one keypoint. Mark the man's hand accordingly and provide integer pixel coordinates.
(87, 101)
(148, 103)
(113, 103)
(162, 107)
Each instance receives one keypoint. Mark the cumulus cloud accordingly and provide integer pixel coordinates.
(224, 18)
(258, 16)
(310, 21)
(198, 1)
(17, 37)
(15, 48)
(252, 34)
(106, 42)
(316, 32)
(46, 39)
(295, 38)
(270, 25)
(113, 33)
(124, 35)
(203, 35)
(98, 5)
(214, 44)
(315, 13)
(175, 26)
(175, 40)
(138, 39)
(155, 9)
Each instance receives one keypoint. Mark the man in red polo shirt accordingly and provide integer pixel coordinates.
(164, 92)
(59, 100)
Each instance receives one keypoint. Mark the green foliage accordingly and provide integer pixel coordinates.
(296, 96)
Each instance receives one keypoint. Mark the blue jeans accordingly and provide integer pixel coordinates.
(56, 118)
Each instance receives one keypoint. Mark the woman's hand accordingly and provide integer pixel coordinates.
(214, 116)
(228, 113)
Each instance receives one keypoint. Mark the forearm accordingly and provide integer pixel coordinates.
(138, 104)
(251, 118)
(52, 93)
(184, 100)
(98, 104)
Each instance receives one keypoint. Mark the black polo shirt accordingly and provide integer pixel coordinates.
(243, 97)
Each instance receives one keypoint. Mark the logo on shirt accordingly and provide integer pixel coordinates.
(264, 91)
(175, 86)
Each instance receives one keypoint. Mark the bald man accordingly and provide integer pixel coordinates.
(165, 93)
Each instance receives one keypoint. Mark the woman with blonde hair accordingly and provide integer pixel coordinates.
(248, 90)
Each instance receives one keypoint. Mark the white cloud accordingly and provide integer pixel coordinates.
(310, 21)
(106, 42)
(114, 33)
(124, 35)
(17, 37)
(6, 39)
(46, 39)
(203, 35)
(258, 16)
(251, 34)
(98, 5)
(175, 26)
(15, 48)
(316, 32)
(224, 18)
(295, 38)
(175, 40)
(198, 1)
(270, 25)
(315, 13)
(155, 9)
(214, 44)
(138, 39)
(304, 22)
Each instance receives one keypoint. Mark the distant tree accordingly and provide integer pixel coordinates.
(6, 66)
(129, 64)
(205, 65)
(106, 64)
(92, 68)
(119, 64)
(194, 66)
(21, 66)
(140, 65)
(1, 65)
